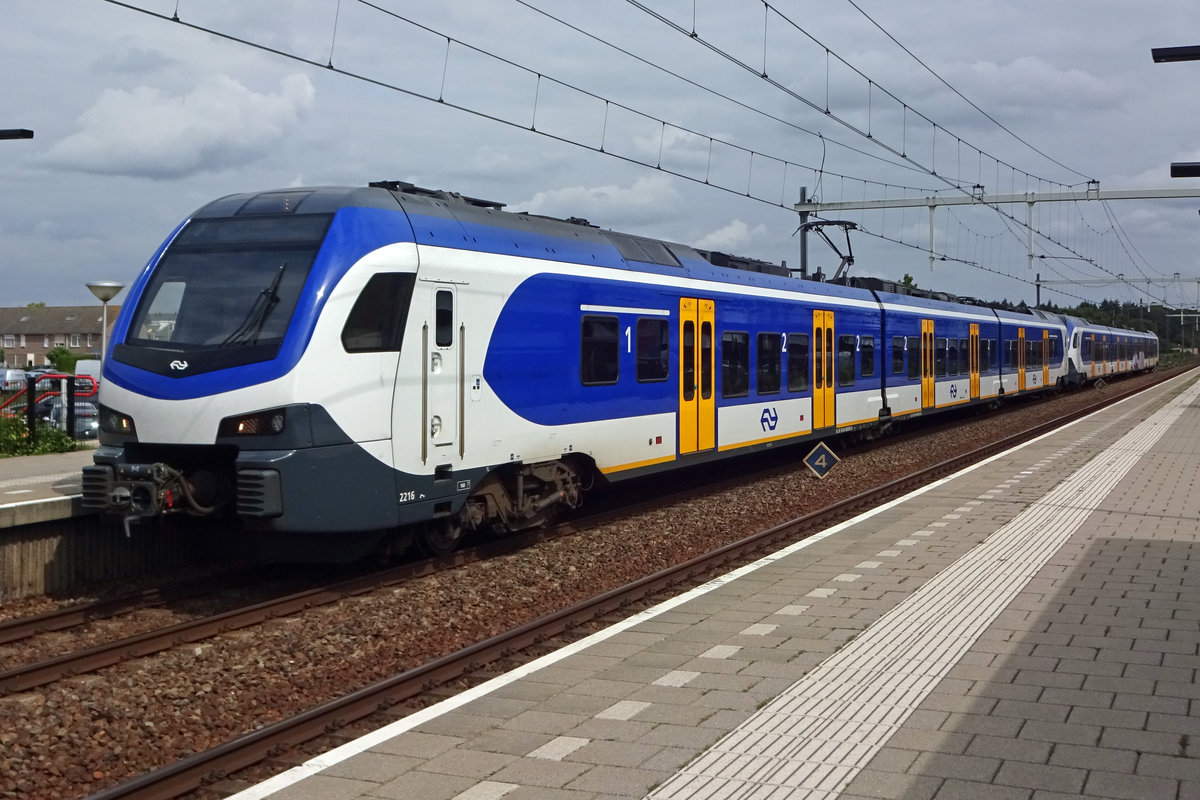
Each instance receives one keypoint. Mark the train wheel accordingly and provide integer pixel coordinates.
(440, 537)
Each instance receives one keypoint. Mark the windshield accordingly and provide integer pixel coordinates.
(226, 287)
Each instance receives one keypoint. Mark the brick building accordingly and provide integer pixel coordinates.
(28, 334)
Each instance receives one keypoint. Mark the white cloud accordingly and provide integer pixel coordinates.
(737, 234)
(146, 132)
(651, 199)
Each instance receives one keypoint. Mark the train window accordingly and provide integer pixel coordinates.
(1010, 354)
(866, 356)
(706, 360)
(599, 351)
(770, 365)
(897, 355)
(689, 360)
(987, 356)
(964, 356)
(1055, 348)
(735, 364)
(914, 357)
(376, 323)
(1033, 353)
(443, 306)
(797, 361)
(952, 357)
(819, 359)
(939, 357)
(1085, 351)
(653, 350)
(845, 361)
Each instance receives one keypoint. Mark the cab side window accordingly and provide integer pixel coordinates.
(376, 322)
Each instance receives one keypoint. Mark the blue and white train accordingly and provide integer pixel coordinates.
(374, 363)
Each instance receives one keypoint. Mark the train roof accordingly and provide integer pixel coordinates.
(487, 227)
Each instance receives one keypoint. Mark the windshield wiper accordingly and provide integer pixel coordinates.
(247, 332)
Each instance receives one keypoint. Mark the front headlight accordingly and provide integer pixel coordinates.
(260, 423)
(112, 421)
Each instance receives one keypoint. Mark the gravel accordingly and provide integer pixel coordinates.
(80, 735)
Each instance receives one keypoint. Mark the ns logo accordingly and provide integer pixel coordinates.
(769, 419)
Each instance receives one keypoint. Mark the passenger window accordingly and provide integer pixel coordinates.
(797, 362)
(689, 360)
(599, 351)
(897, 355)
(376, 322)
(964, 356)
(653, 350)
(770, 365)
(735, 364)
(866, 356)
(845, 362)
(443, 305)
(914, 357)
(939, 358)
(819, 359)
(952, 358)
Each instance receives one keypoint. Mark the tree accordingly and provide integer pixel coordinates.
(40, 304)
(62, 359)
(908, 281)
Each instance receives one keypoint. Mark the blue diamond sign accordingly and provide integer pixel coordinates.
(820, 460)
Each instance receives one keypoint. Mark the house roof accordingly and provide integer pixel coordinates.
(55, 319)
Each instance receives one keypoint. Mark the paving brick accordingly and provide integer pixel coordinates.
(1132, 787)
(1176, 767)
(429, 785)
(619, 782)
(1060, 732)
(1040, 776)
(1020, 709)
(983, 724)
(1141, 741)
(949, 765)
(953, 789)
(1010, 749)
(877, 784)
(1108, 717)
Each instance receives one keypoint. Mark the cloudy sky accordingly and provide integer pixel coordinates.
(634, 123)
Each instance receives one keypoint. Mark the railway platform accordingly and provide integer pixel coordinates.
(1026, 628)
(43, 488)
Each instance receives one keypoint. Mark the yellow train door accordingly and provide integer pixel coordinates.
(1045, 358)
(697, 402)
(928, 395)
(823, 370)
(1020, 359)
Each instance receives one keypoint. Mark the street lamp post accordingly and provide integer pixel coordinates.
(105, 291)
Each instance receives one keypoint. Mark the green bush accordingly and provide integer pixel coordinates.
(15, 441)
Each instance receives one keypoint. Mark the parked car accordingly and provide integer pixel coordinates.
(12, 380)
(87, 416)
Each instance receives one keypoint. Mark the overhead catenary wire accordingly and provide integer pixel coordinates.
(757, 159)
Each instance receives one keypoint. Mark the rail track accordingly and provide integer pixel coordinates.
(188, 774)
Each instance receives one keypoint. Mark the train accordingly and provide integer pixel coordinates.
(351, 369)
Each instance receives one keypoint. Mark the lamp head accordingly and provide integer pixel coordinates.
(105, 290)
